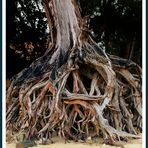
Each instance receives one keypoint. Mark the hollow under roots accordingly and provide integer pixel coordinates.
(91, 96)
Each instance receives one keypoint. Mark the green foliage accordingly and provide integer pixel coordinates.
(30, 28)
(27, 33)
(117, 25)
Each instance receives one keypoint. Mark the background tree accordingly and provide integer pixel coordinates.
(27, 34)
(75, 88)
(116, 25)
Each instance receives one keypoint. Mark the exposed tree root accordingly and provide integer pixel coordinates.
(86, 99)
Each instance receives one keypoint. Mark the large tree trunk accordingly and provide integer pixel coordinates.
(75, 88)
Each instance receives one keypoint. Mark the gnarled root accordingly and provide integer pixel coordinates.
(91, 96)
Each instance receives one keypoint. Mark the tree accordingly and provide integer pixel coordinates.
(75, 89)
(27, 34)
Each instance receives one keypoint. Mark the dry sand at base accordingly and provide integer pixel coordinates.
(59, 143)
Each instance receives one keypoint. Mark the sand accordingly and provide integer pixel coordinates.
(59, 143)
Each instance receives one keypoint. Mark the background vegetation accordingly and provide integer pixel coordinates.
(116, 25)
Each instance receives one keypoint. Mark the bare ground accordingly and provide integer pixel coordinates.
(60, 143)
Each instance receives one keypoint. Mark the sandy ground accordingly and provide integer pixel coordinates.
(59, 143)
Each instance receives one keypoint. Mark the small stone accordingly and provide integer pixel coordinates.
(20, 137)
(89, 138)
(25, 144)
(19, 145)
